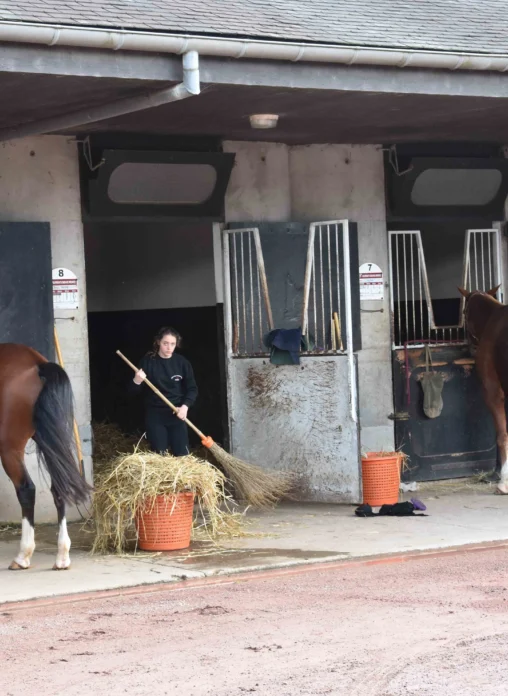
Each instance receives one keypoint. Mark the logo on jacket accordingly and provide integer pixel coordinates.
(177, 378)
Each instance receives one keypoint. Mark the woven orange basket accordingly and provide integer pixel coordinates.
(381, 478)
(166, 523)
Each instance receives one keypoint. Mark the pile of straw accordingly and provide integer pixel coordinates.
(123, 486)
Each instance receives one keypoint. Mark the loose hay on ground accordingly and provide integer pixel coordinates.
(123, 486)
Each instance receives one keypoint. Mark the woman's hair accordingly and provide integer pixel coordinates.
(165, 331)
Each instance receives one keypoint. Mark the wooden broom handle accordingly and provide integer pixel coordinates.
(161, 396)
(336, 321)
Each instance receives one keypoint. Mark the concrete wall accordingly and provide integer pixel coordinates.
(40, 183)
(149, 266)
(295, 418)
(275, 182)
(260, 185)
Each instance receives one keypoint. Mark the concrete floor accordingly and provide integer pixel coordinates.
(459, 514)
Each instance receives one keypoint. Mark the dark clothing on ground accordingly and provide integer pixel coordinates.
(174, 378)
(166, 432)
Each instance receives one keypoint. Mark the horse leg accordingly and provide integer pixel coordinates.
(25, 490)
(495, 400)
(502, 443)
(63, 560)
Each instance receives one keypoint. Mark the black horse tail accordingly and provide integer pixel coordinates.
(53, 420)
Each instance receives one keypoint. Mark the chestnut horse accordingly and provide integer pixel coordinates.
(486, 322)
(36, 402)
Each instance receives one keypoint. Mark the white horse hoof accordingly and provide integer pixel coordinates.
(502, 489)
(55, 567)
(16, 566)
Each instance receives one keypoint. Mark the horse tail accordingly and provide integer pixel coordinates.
(53, 419)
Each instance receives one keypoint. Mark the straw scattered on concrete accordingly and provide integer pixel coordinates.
(125, 484)
(473, 484)
(9, 527)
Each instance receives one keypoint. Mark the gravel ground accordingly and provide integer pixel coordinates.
(427, 627)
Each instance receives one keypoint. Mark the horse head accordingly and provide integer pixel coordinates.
(476, 312)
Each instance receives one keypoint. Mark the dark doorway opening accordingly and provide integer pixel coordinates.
(140, 277)
(132, 333)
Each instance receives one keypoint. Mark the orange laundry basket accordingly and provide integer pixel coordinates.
(381, 478)
(165, 524)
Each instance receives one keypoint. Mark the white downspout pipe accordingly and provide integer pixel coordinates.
(91, 37)
(188, 87)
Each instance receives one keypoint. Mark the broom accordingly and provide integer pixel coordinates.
(258, 487)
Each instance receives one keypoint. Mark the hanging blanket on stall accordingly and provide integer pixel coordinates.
(285, 346)
(432, 385)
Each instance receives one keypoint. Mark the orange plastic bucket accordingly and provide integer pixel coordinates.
(165, 524)
(381, 478)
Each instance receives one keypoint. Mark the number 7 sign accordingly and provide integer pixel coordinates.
(371, 282)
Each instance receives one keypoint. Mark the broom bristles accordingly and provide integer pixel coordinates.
(258, 487)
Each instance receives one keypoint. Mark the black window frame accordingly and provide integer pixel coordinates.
(98, 206)
(399, 189)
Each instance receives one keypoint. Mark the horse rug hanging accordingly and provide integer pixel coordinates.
(432, 385)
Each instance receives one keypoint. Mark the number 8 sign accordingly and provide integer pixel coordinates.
(65, 289)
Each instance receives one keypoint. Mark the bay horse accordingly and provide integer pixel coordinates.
(486, 321)
(36, 401)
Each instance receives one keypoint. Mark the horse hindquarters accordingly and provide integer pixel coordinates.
(53, 419)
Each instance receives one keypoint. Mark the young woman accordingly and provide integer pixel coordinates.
(172, 374)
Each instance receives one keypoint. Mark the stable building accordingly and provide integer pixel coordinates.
(338, 167)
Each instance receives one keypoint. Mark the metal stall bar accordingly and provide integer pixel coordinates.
(262, 276)
(466, 276)
(308, 280)
(349, 321)
(323, 326)
(228, 313)
(489, 256)
(426, 286)
(499, 265)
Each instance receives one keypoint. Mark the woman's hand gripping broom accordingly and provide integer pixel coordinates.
(256, 486)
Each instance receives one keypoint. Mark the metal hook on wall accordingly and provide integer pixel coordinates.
(394, 161)
(87, 154)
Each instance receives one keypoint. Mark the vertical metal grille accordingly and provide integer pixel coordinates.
(250, 302)
(325, 294)
(411, 303)
(323, 306)
(482, 260)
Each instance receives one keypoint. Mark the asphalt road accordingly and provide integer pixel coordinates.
(431, 626)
